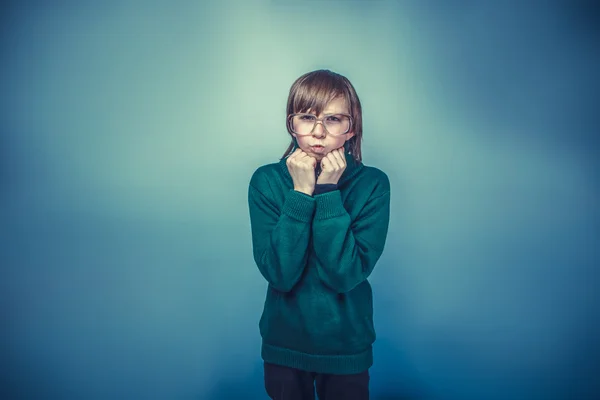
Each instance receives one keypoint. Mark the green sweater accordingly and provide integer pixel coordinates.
(316, 253)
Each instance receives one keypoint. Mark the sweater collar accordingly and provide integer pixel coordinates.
(352, 166)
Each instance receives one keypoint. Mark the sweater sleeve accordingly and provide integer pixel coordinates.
(280, 238)
(346, 250)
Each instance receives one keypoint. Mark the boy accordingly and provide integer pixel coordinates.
(319, 221)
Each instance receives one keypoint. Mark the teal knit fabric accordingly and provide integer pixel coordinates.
(316, 253)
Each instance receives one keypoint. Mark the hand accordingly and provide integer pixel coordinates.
(302, 169)
(333, 166)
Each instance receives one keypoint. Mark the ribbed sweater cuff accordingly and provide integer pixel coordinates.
(323, 364)
(329, 205)
(299, 206)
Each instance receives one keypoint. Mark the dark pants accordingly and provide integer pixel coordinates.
(283, 383)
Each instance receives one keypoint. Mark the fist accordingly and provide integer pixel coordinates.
(333, 166)
(302, 170)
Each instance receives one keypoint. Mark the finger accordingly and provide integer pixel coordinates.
(333, 159)
(339, 156)
(300, 156)
(325, 163)
(306, 159)
(303, 157)
(294, 154)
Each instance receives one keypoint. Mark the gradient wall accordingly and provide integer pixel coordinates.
(128, 134)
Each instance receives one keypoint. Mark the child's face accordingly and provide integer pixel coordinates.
(320, 143)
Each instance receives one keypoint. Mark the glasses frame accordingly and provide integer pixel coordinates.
(317, 120)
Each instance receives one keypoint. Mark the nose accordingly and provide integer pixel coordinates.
(319, 129)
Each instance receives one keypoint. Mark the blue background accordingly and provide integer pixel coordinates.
(129, 132)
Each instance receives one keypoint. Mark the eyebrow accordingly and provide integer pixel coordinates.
(327, 112)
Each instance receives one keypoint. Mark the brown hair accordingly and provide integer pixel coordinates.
(313, 90)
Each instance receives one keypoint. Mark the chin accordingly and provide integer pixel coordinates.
(318, 156)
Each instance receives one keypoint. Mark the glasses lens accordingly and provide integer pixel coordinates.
(336, 124)
(303, 124)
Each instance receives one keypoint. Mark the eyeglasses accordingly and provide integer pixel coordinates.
(334, 124)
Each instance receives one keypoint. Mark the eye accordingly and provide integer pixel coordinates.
(333, 118)
(307, 118)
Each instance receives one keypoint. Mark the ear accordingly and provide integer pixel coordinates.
(349, 136)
